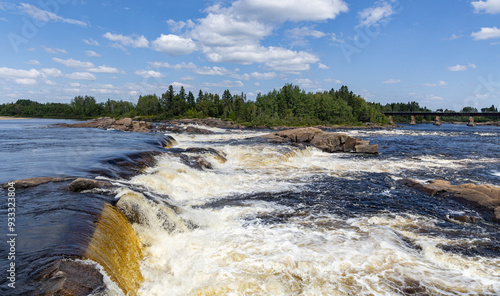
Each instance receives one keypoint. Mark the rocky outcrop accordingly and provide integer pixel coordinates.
(484, 196)
(33, 182)
(328, 142)
(210, 121)
(125, 124)
(82, 184)
(188, 130)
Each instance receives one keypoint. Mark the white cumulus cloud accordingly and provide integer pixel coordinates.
(149, 74)
(174, 45)
(291, 10)
(486, 33)
(488, 6)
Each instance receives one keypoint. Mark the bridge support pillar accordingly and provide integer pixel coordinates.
(471, 121)
(438, 120)
(413, 120)
(391, 118)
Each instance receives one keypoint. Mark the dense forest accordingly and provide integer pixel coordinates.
(289, 105)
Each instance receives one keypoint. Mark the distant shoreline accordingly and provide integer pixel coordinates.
(11, 118)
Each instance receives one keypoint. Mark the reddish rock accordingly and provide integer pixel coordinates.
(484, 196)
(328, 142)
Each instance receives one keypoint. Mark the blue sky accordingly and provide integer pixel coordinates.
(442, 54)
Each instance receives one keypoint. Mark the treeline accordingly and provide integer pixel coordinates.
(287, 106)
(415, 107)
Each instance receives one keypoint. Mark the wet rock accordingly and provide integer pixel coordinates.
(167, 142)
(142, 127)
(483, 196)
(125, 124)
(328, 142)
(202, 163)
(418, 186)
(82, 184)
(187, 130)
(32, 182)
(463, 219)
(66, 277)
(370, 149)
(195, 130)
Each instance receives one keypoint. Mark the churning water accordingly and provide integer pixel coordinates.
(268, 219)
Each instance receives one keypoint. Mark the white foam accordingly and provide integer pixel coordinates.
(231, 252)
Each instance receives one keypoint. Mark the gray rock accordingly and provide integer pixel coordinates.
(32, 182)
(82, 184)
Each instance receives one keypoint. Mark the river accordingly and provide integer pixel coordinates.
(266, 219)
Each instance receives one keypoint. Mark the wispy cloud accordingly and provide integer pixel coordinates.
(299, 35)
(47, 16)
(373, 15)
(439, 83)
(133, 41)
(391, 81)
(459, 68)
(91, 42)
(92, 53)
(53, 50)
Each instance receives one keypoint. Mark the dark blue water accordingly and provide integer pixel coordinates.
(34, 148)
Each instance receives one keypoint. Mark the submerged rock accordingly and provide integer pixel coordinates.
(484, 196)
(82, 184)
(188, 130)
(32, 182)
(68, 277)
(463, 219)
(328, 142)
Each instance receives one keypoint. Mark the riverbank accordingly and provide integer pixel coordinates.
(13, 118)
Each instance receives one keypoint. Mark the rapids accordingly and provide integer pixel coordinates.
(261, 219)
(276, 220)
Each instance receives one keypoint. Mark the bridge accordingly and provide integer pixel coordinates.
(442, 114)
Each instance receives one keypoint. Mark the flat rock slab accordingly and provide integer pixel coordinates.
(484, 196)
(125, 124)
(32, 182)
(327, 142)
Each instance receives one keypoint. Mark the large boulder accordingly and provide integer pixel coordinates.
(142, 127)
(125, 124)
(82, 184)
(32, 182)
(484, 196)
(328, 142)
